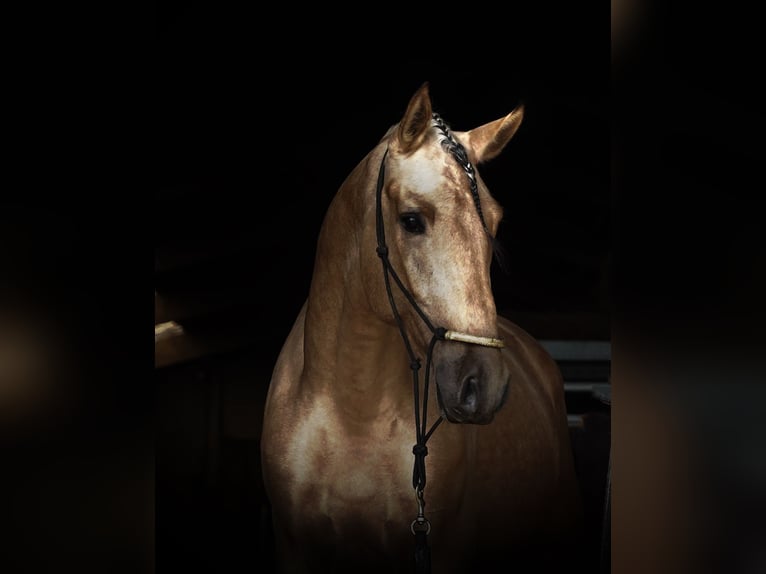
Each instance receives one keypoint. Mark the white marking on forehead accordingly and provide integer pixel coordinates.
(423, 171)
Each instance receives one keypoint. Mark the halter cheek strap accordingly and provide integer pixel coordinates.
(382, 251)
(420, 526)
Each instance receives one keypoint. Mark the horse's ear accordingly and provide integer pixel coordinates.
(487, 141)
(417, 119)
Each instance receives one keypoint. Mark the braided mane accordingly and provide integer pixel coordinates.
(455, 148)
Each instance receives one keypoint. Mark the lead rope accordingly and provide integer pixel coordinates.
(421, 527)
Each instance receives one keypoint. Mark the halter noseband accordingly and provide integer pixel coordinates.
(421, 526)
(474, 339)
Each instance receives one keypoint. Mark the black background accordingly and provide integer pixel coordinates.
(257, 132)
(224, 82)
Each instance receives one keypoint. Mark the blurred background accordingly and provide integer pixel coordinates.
(257, 133)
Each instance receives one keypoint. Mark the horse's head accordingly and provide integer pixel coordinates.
(439, 230)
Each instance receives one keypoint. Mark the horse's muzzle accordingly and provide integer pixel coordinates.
(471, 383)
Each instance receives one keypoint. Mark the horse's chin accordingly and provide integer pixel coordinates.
(455, 416)
(455, 419)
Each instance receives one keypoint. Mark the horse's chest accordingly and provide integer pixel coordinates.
(342, 480)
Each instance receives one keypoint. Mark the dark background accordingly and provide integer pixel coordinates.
(257, 131)
(223, 166)
(79, 208)
(256, 135)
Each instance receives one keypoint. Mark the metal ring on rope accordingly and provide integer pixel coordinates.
(420, 522)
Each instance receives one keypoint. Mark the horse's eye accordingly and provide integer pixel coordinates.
(412, 222)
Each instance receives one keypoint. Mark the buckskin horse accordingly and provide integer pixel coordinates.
(401, 294)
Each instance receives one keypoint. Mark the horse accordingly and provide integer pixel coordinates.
(402, 275)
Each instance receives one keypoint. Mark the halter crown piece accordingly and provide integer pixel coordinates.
(421, 526)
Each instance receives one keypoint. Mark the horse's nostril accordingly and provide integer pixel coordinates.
(469, 395)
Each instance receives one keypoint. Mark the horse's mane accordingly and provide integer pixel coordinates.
(456, 150)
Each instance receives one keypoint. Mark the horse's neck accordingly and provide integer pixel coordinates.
(350, 354)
